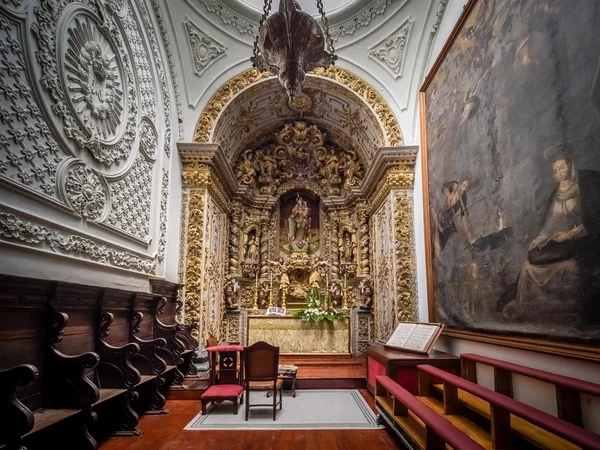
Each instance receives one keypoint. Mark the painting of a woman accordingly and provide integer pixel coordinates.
(551, 270)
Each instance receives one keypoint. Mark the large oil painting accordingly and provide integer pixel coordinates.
(512, 137)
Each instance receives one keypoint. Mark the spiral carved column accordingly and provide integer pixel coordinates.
(363, 239)
(264, 249)
(234, 238)
(334, 228)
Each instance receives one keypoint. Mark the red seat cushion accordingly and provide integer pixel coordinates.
(226, 348)
(223, 390)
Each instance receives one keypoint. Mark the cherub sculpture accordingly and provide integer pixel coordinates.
(365, 288)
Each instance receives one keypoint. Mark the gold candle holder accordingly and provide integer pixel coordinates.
(255, 306)
(283, 296)
(271, 295)
(345, 295)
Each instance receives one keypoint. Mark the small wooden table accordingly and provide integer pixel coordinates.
(402, 366)
(287, 375)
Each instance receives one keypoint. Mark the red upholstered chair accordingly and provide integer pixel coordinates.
(261, 363)
(227, 386)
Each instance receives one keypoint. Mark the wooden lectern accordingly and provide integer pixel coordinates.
(401, 366)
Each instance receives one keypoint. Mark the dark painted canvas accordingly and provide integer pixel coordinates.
(512, 118)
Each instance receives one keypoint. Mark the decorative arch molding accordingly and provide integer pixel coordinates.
(226, 93)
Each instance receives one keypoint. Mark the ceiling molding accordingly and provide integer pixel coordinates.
(204, 50)
(390, 52)
(343, 21)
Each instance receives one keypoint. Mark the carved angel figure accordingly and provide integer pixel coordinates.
(231, 289)
(365, 289)
(319, 268)
(281, 269)
(245, 171)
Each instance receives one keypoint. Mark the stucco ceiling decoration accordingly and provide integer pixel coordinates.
(336, 99)
(345, 17)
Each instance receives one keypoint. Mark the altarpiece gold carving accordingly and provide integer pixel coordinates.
(300, 153)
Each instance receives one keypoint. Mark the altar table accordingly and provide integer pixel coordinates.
(293, 336)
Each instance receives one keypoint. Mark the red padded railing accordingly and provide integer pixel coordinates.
(440, 426)
(559, 380)
(566, 430)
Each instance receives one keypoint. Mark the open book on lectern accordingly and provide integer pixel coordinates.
(414, 337)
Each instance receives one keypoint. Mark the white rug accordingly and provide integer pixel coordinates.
(323, 409)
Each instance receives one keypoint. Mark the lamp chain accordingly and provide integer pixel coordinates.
(326, 25)
(266, 11)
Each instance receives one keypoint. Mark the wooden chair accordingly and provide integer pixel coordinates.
(261, 363)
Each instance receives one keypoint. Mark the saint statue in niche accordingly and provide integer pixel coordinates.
(347, 247)
(251, 248)
(299, 226)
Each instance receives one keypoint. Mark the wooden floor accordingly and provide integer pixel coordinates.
(166, 433)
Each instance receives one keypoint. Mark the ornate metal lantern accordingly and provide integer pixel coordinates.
(291, 43)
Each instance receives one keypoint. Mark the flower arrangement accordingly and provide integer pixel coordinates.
(315, 311)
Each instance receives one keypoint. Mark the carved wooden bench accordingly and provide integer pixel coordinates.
(118, 306)
(416, 424)
(568, 390)
(169, 311)
(507, 418)
(60, 395)
(115, 375)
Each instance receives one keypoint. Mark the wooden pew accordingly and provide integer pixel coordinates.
(506, 415)
(115, 375)
(18, 419)
(415, 423)
(117, 307)
(60, 397)
(160, 354)
(568, 390)
(169, 314)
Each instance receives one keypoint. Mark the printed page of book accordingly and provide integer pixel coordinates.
(401, 334)
(421, 337)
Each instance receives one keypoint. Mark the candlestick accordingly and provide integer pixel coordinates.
(345, 296)
(283, 295)
(271, 294)
(255, 306)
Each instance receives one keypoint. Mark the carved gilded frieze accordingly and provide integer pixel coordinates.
(301, 154)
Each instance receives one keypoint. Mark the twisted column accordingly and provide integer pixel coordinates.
(234, 238)
(264, 248)
(363, 238)
(334, 254)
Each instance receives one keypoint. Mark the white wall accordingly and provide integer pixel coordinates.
(537, 394)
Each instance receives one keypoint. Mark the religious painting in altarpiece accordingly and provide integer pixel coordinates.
(511, 117)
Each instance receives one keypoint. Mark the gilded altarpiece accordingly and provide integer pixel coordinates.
(250, 241)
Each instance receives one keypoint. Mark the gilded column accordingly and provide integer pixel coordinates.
(194, 257)
(334, 251)
(234, 238)
(204, 235)
(364, 268)
(264, 248)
